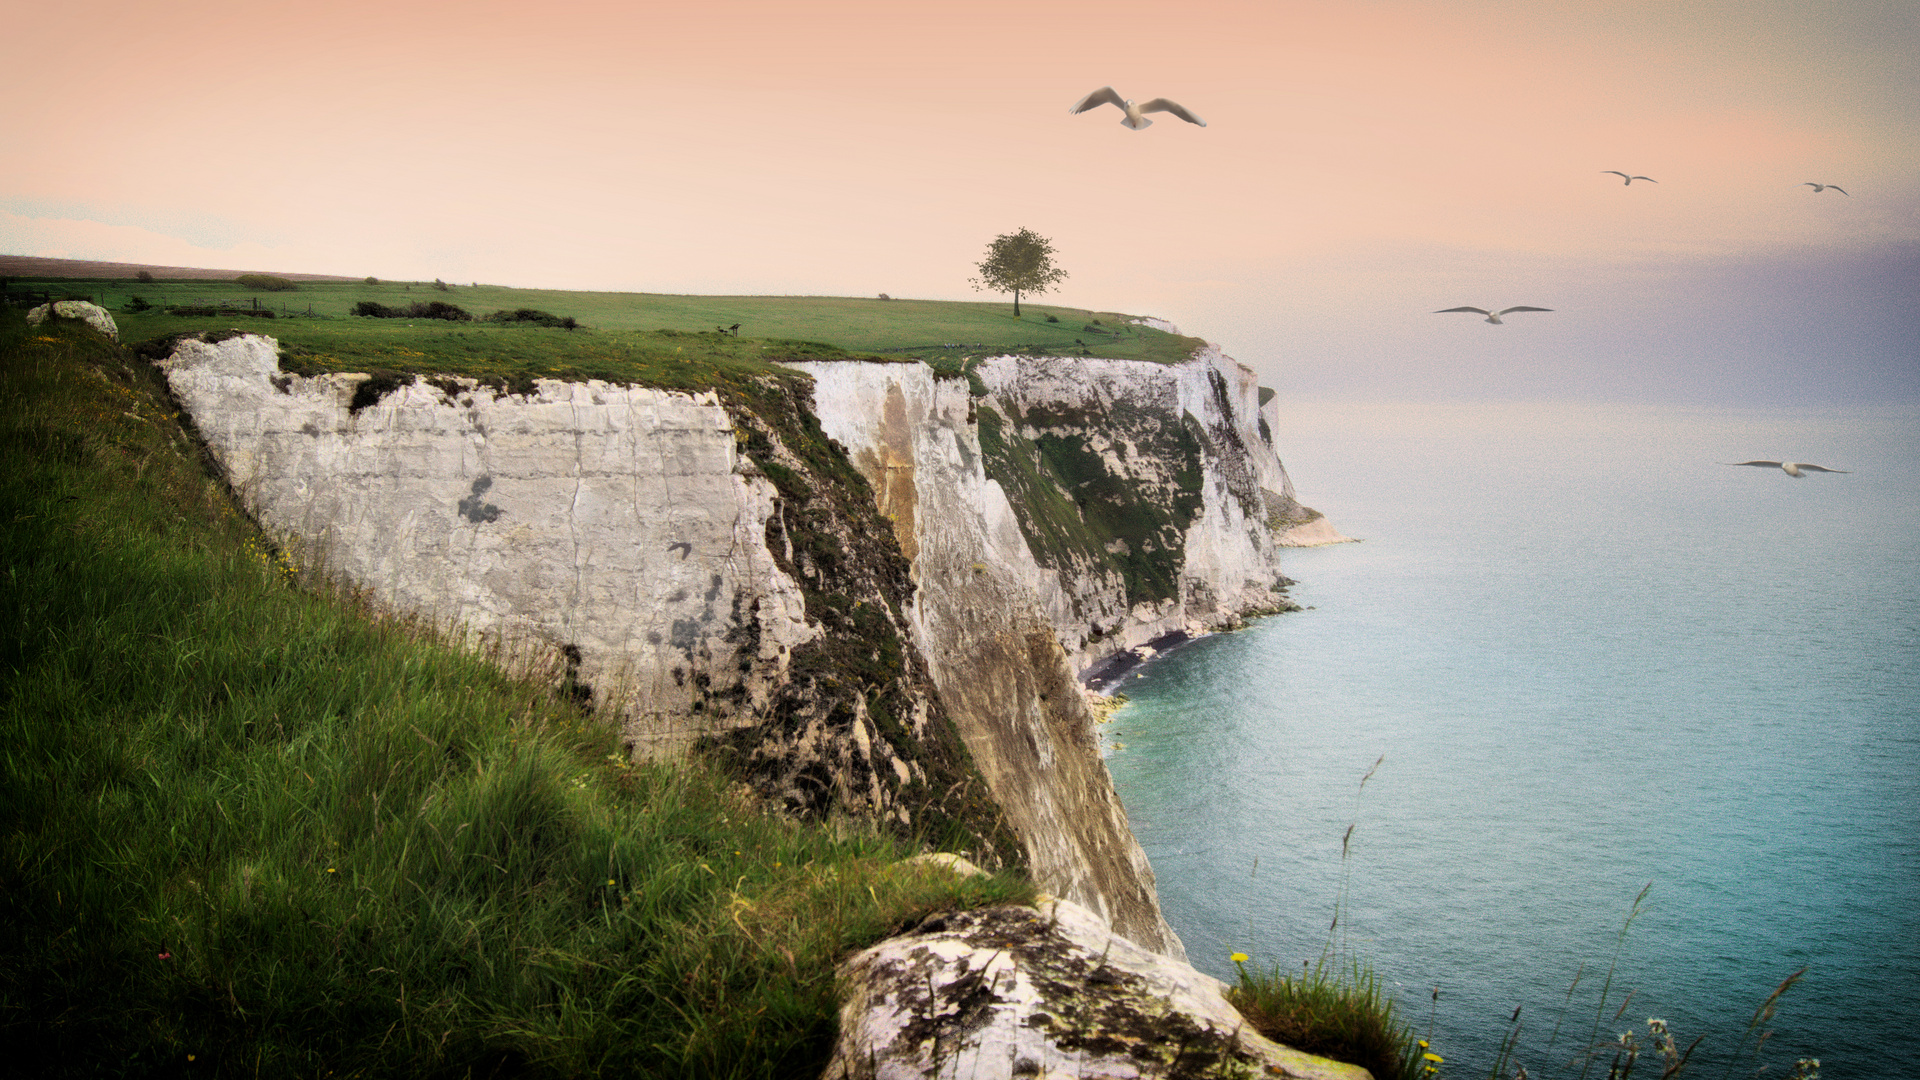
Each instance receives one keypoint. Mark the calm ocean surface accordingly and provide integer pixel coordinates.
(1593, 659)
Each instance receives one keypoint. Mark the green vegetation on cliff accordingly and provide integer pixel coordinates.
(250, 830)
(1082, 511)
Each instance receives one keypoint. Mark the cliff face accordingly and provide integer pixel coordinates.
(899, 642)
(1152, 492)
(713, 574)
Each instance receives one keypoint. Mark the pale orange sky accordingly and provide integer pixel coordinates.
(1363, 164)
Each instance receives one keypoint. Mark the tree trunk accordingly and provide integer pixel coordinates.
(1016, 303)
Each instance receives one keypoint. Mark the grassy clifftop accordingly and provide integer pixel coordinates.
(639, 336)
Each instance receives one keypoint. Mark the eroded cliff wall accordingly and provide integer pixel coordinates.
(715, 572)
(979, 616)
(1151, 491)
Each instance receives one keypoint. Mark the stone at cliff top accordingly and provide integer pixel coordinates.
(1049, 992)
(92, 314)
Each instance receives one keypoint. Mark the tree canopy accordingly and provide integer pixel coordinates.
(1019, 262)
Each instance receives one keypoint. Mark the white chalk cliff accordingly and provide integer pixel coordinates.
(711, 570)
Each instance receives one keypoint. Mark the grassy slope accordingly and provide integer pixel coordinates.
(246, 830)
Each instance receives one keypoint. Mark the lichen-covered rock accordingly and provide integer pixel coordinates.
(1014, 992)
(92, 314)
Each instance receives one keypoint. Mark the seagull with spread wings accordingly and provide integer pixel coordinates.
(1791, 468)
(1628, 180)
(1818, 188)
(1492, 316)
(1106, 96)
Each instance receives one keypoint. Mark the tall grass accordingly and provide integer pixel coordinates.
(249, 830)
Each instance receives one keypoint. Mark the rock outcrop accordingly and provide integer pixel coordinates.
(1046, 991)
(90, 313)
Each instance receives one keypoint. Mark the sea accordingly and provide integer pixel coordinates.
(1589, 728)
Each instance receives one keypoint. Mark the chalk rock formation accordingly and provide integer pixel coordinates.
(92, 314)
(700, 577)
(1047, 991)
(621, 521)
(1148, 497)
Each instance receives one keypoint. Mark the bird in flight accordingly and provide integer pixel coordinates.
(1106, 96)
(1791, 468)
(1492, 316)
(1818, 188)
(1628, 180)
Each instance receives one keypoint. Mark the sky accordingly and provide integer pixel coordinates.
(1363, 164)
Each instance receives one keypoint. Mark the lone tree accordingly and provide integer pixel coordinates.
(1018, 262)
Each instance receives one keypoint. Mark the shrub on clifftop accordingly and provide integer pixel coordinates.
(437, 309)
(265, 283)
(533, 317)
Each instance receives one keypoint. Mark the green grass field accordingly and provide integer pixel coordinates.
(248, 830)
(644, 337)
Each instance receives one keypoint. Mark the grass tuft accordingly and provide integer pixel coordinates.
(1335, 1010)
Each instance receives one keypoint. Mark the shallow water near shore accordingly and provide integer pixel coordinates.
(1593, 658)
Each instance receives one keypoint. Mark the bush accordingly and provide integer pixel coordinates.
(533, 316)
(438, 309)
(143, 276)
(137, 304)
(265, 283)
(438, 284)
(371, 280)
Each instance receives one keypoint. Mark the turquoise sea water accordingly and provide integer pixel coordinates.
(1593, 659)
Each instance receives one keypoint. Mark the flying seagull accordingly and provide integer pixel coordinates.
(1106, 96)
(1492, 316)
(1791, 468)
(1818, 188)
(1628, 180)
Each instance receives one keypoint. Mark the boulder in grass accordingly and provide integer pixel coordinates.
(92, 314)
(1012, 992)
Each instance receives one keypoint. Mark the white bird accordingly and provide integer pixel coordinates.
(1818, 188)
(1106, 96)
(1492, 316)
(1791, 468)
(1628, 180)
